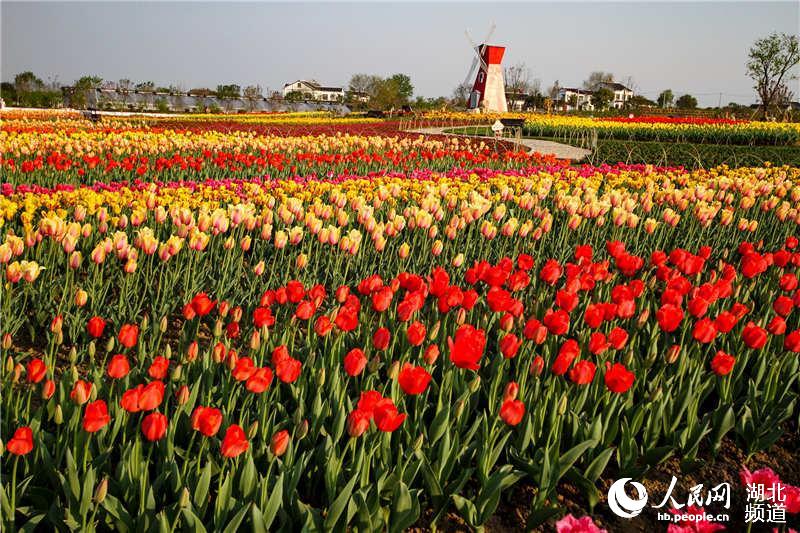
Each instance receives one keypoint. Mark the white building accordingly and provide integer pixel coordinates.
(313, 90)
(621, 94)
(571, 99)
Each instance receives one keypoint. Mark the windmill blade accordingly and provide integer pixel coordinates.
(469, 80)
(471, 42)
(491, 32)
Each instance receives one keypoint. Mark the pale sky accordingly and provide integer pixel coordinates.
(699, 48)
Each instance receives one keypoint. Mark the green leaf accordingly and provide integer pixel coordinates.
(257, 519)
(598, 465)
(88, 492)
(237, 519)
(340, 504)
(274, 503)
(405, 509)
(568, 458)
(116, 510)
(201, 490)
(466, 509)
(193, 522)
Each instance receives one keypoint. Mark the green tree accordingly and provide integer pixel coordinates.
(639, 101)
(229, 91)
(602, 97)
(687, 101)
(8, 92)
(596, 79)
(81, 89)
(402, 84)
(769, 64)
(666, 98)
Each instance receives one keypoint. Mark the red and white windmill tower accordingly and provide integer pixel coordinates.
(489, 88)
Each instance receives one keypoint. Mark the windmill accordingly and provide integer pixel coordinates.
(488, 89)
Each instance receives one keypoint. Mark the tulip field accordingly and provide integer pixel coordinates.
(355, 329)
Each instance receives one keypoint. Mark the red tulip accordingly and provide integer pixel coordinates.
(416, 333)
(413, 379)
(305, 310)
(288, 370)
(279, 443)
(509, 345)
(235, 442)
(347, 318)
(295, 291)
(159, 367)
(618, 337)
(151, 395)
(788, 282)
(722, 363)
(598, 343)
(556, 321)
(232, 330)
(792, 341)
(357, 423)
(783, 305)
(48, 389)
(206, 420)
(387, 418)
(36, 370)
(381, 299)
(537, 366)
(566, 355)
(128, 335)
(22, 441)
(535, 331)
(243, 369)
(618, 378)
(354, 362)
(582, 373)
(130, 399)
(669, 317)
(95, 417)
(262, 316)
(468, 346)
(80, 392)
(704, 330)
(551, 272)
(95, 326)
(118, 367)
(753, 336)
(323, 325)
(777, 326)
(725, 321)
(431, 354)
(260, 380)
(202, 304)
(154, 426)
(512, 412)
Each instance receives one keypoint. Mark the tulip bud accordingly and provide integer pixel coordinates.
(9, 364)
(92, 349)
(252, 431)
(434, 331)
(58, 415)
(419, 442)
(218, 353)
(7, 340)
(321, 377)
(562, 405)
(236, 314)
(182, 395)
(18, 368)
(642, 319)
(475, 384)
(184, 501)
(81, 297)
(394, 370)
(102, 490)
(507, 322)
(231, 360)
(511, 392)
(264, 333)
(177, 373)
(93, 393)
(374, 364)
(279, 443)
(110, 345)
(255, 340)
(224, 309)
(59, 338)
(301, 430)
(191, 352)
(673, 353)
(73, 355)
(75, 375)
(218, 328)
(48, 389)
(537, 366)
(461, 316)
(460, 404)
(168, 352)
(56, 324)
(162, 325)
(431, 354)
